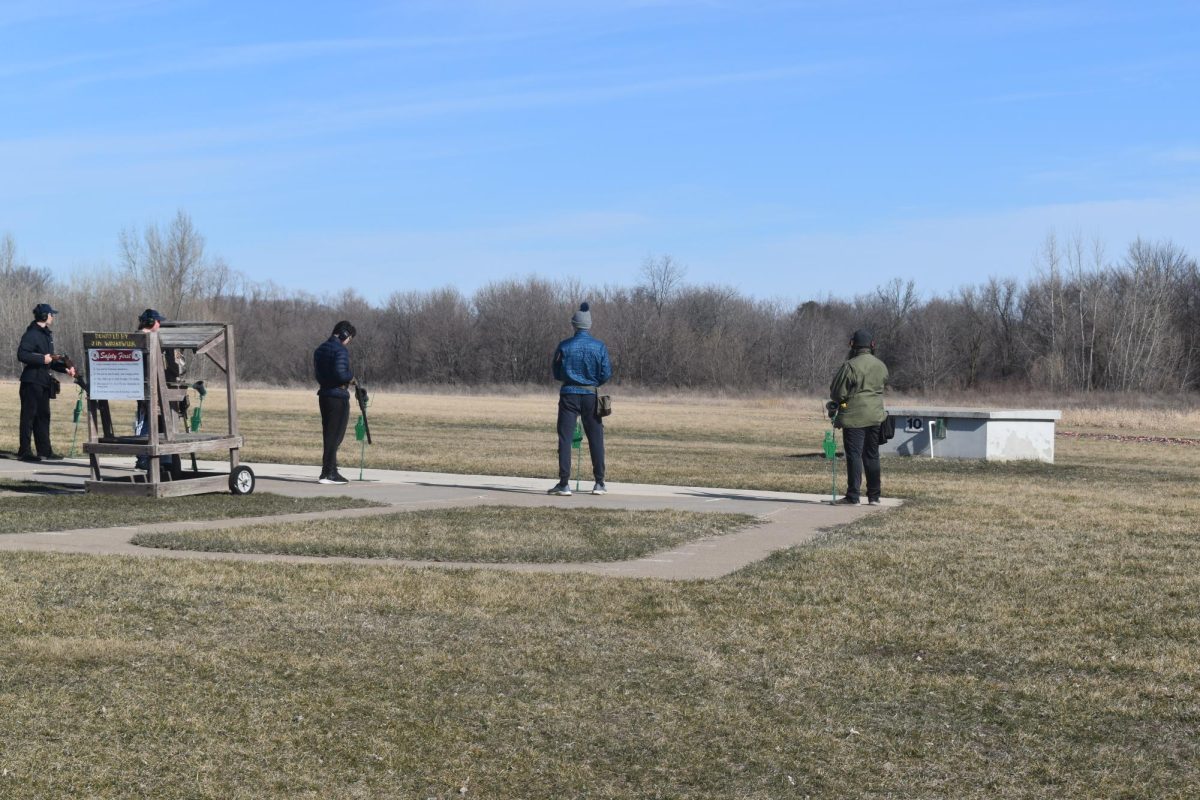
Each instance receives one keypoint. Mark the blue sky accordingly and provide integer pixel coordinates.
(793, 150)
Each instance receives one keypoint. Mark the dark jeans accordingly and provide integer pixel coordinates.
(35, 419)
(862, 450)
(570, 407)
(335, 414)
(141, 427)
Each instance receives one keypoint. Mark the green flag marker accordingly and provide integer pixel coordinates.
(576, 441)
(830, 448)
(76, 415)
(360, 430)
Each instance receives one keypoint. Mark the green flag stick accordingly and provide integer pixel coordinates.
(830, 447)
(78, 411)
(576, 442)
(834, 410)
(360, 433)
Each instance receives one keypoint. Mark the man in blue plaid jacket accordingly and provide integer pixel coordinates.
(581, 364)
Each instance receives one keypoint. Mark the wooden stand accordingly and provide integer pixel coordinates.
(163, 436)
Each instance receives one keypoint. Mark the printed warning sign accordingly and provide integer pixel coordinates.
(115, 373)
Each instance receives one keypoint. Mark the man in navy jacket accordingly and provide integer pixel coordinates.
(36, 352)
(331, 363)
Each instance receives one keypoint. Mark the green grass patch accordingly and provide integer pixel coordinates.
(480, 533)
(27, 506)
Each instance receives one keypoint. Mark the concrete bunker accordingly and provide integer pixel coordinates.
(980, 433)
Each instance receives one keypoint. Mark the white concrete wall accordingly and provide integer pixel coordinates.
(1012, 440)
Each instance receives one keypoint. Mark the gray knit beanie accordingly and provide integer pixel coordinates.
(582, 319)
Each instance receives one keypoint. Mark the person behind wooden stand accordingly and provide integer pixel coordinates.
(150, 321)
(38, 386)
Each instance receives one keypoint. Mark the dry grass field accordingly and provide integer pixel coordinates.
(1014, 630)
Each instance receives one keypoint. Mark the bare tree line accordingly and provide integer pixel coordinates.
(1083, 323)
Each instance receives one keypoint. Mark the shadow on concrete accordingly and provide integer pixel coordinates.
(752, 498)
(486, 487)
(280, 479)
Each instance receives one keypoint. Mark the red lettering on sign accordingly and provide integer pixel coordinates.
(116, 356)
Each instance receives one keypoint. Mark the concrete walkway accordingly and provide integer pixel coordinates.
(786, 519)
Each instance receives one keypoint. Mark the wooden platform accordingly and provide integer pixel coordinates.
(189, 483)
(162, 403)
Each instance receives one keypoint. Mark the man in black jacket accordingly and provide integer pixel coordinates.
(36, 352)
(331, 363)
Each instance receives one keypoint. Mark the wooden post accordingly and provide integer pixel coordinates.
(153, 401)
(231, 394)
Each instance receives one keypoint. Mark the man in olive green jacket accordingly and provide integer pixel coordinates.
(858, 390)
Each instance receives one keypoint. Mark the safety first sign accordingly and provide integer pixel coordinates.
(116, 373)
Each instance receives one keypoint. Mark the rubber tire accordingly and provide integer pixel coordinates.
(241, 480)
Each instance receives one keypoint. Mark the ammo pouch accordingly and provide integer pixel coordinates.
(603, 404)
(55, 387)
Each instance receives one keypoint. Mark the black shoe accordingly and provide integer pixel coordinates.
(845, 501)
(337, 478)
(53, 457)
(30, 457)
(872, 501)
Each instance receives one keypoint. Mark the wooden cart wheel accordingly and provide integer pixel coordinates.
(241, 480)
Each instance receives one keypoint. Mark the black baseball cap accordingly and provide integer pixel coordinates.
(43, 309)
(862, 338)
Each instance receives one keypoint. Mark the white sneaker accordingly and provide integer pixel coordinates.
(599, 488)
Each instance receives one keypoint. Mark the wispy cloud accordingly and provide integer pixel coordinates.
(575, 90)
(945, 252)
(315, 121)
(1181, 155)
(19, 12)
(1030, 96)
(168, 61)
(50, 64)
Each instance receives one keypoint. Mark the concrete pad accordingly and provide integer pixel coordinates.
(786, 518)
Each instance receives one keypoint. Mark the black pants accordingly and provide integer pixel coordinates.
(570, 407)
(335, 414)
(862, 450)
(35, 419)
